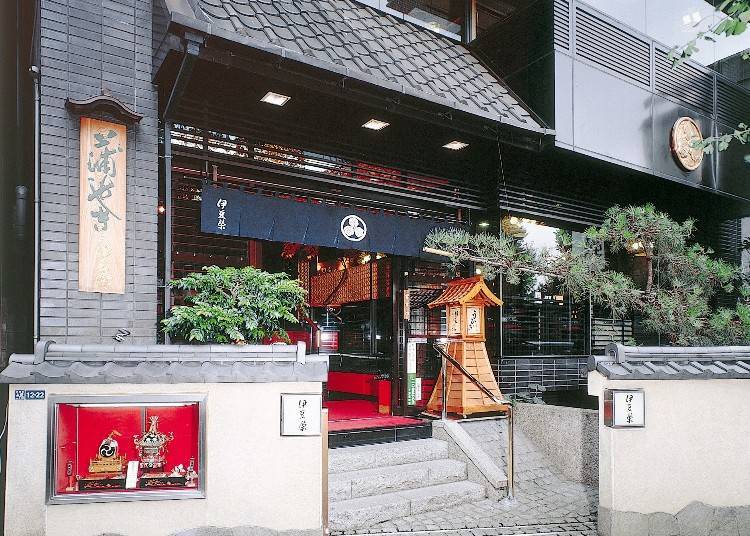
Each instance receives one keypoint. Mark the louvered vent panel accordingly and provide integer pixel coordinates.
(729, 241)
(725, 238)
(608, 46)
(685, 83)
(545, 205)
(732, 103)
(562, 24)
(607, 330)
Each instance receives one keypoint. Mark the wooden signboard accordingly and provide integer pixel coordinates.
(101, 239)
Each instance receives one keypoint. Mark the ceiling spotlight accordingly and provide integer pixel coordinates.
(375, 124)
(455, 145)
(277, 99)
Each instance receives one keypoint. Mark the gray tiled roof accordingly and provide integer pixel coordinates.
(57, 363)
(362, 43)
(673, 363)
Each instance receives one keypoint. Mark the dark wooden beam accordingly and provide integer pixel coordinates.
(104, 104)
(192, 46)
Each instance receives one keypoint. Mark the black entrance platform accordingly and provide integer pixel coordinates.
(421, 429)
(358, 422)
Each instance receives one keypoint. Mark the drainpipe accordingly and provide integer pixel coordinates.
(167, 220)
(35, 74)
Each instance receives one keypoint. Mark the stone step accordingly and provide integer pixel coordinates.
(365, 511)
(345, 459)
(379, 480)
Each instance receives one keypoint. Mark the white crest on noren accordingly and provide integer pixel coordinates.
(353, 228)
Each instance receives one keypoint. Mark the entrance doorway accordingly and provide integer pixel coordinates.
(359, 258)
(368, 318)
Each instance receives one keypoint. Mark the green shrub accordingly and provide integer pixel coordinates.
(234, 305)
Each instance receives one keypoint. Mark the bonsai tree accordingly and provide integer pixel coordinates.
(234, 305)
(676, 298)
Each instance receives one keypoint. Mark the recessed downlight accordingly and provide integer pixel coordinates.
(375, 124)
(277, 99)
(455, 145)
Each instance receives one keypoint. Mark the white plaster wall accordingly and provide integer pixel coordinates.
(253, 475)
(695, 446)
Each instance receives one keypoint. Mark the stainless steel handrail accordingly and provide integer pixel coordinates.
(508, 403)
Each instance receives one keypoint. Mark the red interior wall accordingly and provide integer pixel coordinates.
(94, 424)
(351, 382)
(66, 444)
(80, 430)
(182, 421)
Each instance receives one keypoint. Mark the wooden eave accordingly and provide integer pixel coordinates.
(468, 290)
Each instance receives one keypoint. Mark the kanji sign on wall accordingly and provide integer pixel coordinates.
(101, 239)
(624, 408)
(301, 414)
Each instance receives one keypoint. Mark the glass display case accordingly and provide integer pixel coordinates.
(119, 448)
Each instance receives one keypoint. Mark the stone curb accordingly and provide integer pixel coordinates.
(695, 519)
(481, 468)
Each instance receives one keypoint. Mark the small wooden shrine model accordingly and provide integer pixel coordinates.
(465, 301)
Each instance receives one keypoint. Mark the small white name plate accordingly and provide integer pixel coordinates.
(624, 408)
(300, 414)
(131, 478)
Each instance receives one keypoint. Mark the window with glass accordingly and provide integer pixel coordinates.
(675, 22)
(125, 448)
(350, 302)
(492, 12)
(442, 16)
(539, 317)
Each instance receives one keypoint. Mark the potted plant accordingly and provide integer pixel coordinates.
(234, 305)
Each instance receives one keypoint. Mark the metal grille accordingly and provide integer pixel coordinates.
(562, 24)
(607, 330)
(520, 200)
(191, 249)
(612, 48)
(724, 237)
(687, 83)
(732, 103)
(729, 241)
(521, 375)
(543, 326)
(365, 183)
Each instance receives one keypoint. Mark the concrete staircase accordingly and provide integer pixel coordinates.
(375, 483)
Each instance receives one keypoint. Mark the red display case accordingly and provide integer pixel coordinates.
(125, 448)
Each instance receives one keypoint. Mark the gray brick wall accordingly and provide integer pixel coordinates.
(90, 47)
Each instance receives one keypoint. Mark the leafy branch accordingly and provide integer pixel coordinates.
(681, 279)
(740, 134)
(736, 16)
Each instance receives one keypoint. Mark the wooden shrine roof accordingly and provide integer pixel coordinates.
(470, 289)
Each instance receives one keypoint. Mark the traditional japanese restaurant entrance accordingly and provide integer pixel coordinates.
(328, 145)
(368, 280)
(259, 172)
